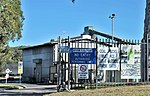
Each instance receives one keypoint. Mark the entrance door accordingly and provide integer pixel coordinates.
(38, 72)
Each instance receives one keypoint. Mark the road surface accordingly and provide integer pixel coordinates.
(30, 90)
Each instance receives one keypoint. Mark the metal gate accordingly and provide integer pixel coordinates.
(69, 68)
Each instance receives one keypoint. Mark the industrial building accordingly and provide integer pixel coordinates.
(50, 62)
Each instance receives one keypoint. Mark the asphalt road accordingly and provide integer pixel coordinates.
(30, 90)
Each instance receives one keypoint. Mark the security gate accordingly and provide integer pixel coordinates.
(81, 66)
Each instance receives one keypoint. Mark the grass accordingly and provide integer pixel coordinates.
(8, 86)
(141, 90)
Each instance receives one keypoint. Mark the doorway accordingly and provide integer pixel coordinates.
(38, 73)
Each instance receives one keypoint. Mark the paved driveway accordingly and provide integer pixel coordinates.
(30, 90)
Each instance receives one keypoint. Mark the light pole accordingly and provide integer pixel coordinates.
(112, 17)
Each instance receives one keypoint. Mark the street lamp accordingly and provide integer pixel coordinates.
(112, 17)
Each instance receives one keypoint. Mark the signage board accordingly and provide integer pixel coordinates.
(130, 62)
(83, 71)
(82, 55)
(8, 71)
(108, 58)
(20, 68)
(64, 49)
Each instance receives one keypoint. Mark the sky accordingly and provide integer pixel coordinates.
(49, 19)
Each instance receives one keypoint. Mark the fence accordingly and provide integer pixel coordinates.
(91, 63)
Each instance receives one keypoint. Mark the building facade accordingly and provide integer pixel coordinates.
(51, 62)
(42, 61)
(39, 63)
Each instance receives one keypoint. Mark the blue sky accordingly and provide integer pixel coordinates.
(48, 19)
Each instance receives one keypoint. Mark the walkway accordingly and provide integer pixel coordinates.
(31, 89)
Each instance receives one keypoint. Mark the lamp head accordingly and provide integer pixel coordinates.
(113, 15)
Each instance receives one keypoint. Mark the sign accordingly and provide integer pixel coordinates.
(8, 71)
(64, 49)
(108, 58)
(82, 55)
(130, 62)
(83, 71)
(20, 68)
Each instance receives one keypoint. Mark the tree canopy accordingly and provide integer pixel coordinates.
(10, 55)
(11, 20)
(11, 23)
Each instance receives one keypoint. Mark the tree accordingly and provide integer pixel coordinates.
(10, 55)
(11, 20)
(11, 23)
(16, 55)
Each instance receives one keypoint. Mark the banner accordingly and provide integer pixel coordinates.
(130, 62)
(108, 58)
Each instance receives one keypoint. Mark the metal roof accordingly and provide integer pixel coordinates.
(45, 44)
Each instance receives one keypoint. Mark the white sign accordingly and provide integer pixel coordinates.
(130, 62)
(108, 58)
(8, 71)
(83, 71)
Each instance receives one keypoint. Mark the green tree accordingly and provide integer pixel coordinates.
(11, 20)
(11, 23)
(10, 55)
(16, 55)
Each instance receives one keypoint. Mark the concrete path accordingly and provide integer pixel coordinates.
(30, 90)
